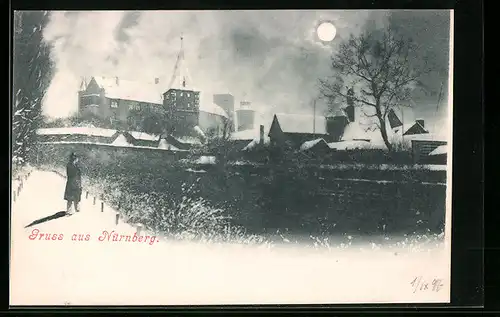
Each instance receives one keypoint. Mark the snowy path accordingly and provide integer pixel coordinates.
(57, 272)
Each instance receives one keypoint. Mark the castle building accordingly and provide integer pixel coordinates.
(118, 101)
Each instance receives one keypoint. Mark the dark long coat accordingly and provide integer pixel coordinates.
(73, 191)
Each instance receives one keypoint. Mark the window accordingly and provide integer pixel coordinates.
(189, 95)
(114, 103)
(134, 106)
(88, 100)
(189, 105)
(182, 94)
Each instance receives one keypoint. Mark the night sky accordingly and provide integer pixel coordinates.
(272, 58)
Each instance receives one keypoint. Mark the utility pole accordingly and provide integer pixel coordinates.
(402, 126)
(439, 97)
(314, 116)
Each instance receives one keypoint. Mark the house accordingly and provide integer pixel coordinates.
(292, 130)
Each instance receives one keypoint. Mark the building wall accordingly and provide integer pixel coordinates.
(210, 121)
(335, 127)
(421, 149)
(183, 110)
(245, 119)
(226, 102)
(93, 101)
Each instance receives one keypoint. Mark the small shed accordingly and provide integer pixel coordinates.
(315, 147)
(423, 145)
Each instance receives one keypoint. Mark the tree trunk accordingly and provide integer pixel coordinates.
(383, 129)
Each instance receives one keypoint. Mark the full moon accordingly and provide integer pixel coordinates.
(326, 31)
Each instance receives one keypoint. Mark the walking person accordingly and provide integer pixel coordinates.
(73, 191)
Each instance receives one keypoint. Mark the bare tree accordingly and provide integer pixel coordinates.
(374, 70)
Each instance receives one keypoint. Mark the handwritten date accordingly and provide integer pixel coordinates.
(421, 284)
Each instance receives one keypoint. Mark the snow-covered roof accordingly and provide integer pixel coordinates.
(360, 131)
(189, 140)
(114, 145)
(250, 134)
(200, 132)
(121, 140)
(299, 123)
(310, 144)
(424, 137)
(143, 136)
(207, 104)
(350, 145)
(442, 149)
(77, 130)
(131, 90)
(166, 146)
(206, 160)
(254, 143)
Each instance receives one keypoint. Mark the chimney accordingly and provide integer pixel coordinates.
(157, 81)
(349, 110)
(421, 122)
(261, 138)
(117, 80)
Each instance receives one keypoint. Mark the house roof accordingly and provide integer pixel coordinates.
(143, 136)
(442, 149)
(250, 134)
(121, 140)
(210, 107)
(77, 130)
(350, 145)
(417, 127)
(254, 143)
(311, 144)
(131, 90)
(298, 123)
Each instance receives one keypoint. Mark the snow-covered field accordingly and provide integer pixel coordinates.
(174, 273)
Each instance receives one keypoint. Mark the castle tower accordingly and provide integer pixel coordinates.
(181, 103)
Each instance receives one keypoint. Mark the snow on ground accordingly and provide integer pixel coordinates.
(169, 273)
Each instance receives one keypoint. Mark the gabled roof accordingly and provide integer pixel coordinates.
(304, 124)
(416, 128)
(121, 140)
(312, 144)
(143, 136)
